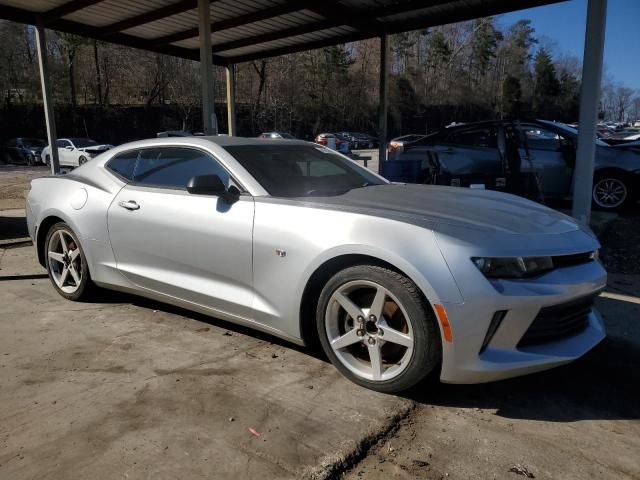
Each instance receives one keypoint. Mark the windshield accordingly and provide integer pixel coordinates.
(33, 143)
(301, 170)
(572, 131)
(288, 136)
(83, 142)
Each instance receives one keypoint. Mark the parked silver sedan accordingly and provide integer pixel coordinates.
(294, 239)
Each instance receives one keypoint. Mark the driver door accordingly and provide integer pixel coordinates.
(545, 152)
(196, 248)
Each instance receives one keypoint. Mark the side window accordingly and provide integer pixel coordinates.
(173, 167)
(63, 143)
(481, 137)
(124, 164)
(540, 139)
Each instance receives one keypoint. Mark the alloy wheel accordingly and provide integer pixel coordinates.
(369, 330)
(66, 263)
(609, 192)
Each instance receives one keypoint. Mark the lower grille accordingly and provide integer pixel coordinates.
(558, 321)
(561, 261)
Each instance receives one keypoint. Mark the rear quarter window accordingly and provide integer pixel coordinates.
(124, 164)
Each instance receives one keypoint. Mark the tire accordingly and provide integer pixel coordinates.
(47, 161)
(67, 286)
(82, 160)
(406, 318)
(611, 192)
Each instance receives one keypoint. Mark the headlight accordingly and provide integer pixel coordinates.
(512, 267)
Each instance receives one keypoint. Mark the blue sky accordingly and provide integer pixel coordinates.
(564, 23)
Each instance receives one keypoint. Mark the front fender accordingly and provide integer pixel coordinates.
(440, 287)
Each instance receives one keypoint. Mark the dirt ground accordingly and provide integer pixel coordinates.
(128, 388)
(14, 184)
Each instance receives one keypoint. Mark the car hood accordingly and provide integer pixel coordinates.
(480, 209)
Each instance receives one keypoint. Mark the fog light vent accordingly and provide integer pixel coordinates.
(493, 328)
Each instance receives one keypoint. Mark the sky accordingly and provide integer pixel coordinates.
(564, 23)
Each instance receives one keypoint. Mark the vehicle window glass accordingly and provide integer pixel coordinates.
(538, 138)
(481, 137)
(124, 164)
(173, 167)
(63, 143)
(32, 143)
(301, 170)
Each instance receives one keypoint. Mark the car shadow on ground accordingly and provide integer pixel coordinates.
(12, 227)
(602, 385)
(115, 297)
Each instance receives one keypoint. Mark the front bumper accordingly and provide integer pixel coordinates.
(465, 360)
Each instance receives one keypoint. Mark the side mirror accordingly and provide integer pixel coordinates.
(69, 147)
(212, 185)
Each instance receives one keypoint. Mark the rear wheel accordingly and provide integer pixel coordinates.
(611, 191)
(377, 329)
(66, 263)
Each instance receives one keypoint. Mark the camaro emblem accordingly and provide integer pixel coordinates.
(281, 253)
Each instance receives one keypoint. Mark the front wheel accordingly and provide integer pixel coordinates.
(82, 160)
(66, 263)
(47, 160)
(611, 192)
(377, 329)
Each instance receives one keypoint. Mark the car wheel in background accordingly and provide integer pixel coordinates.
(47, 161)
(30, 160)
(377, 329)
(611, 191)
(82, 160)
(66, 263)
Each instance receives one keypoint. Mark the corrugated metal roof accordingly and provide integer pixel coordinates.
(244, 30)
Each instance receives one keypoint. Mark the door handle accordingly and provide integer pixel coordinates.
(129, 205)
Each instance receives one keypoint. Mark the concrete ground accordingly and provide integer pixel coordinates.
(124, 387)
(128, 388)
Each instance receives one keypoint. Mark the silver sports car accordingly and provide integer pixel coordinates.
(394, 281)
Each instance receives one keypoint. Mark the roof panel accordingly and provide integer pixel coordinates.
(111, 11)
(309, 37)
(35, 5)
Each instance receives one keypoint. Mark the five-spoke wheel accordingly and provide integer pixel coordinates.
(66, 263)
(376, 327)
(368, 330)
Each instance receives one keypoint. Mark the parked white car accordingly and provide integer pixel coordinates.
(73, 152)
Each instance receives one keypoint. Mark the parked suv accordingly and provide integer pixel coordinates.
(545, 148)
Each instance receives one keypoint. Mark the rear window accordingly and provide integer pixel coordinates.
(301, 170)
(481, 137)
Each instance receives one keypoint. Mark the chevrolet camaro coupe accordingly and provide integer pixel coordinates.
(294, 239)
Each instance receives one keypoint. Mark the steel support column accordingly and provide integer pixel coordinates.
(382, 102)
(210, 125)
(589, 101)
(47, 100)
(231, 99)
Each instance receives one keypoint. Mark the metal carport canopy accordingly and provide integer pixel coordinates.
(243, 30)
